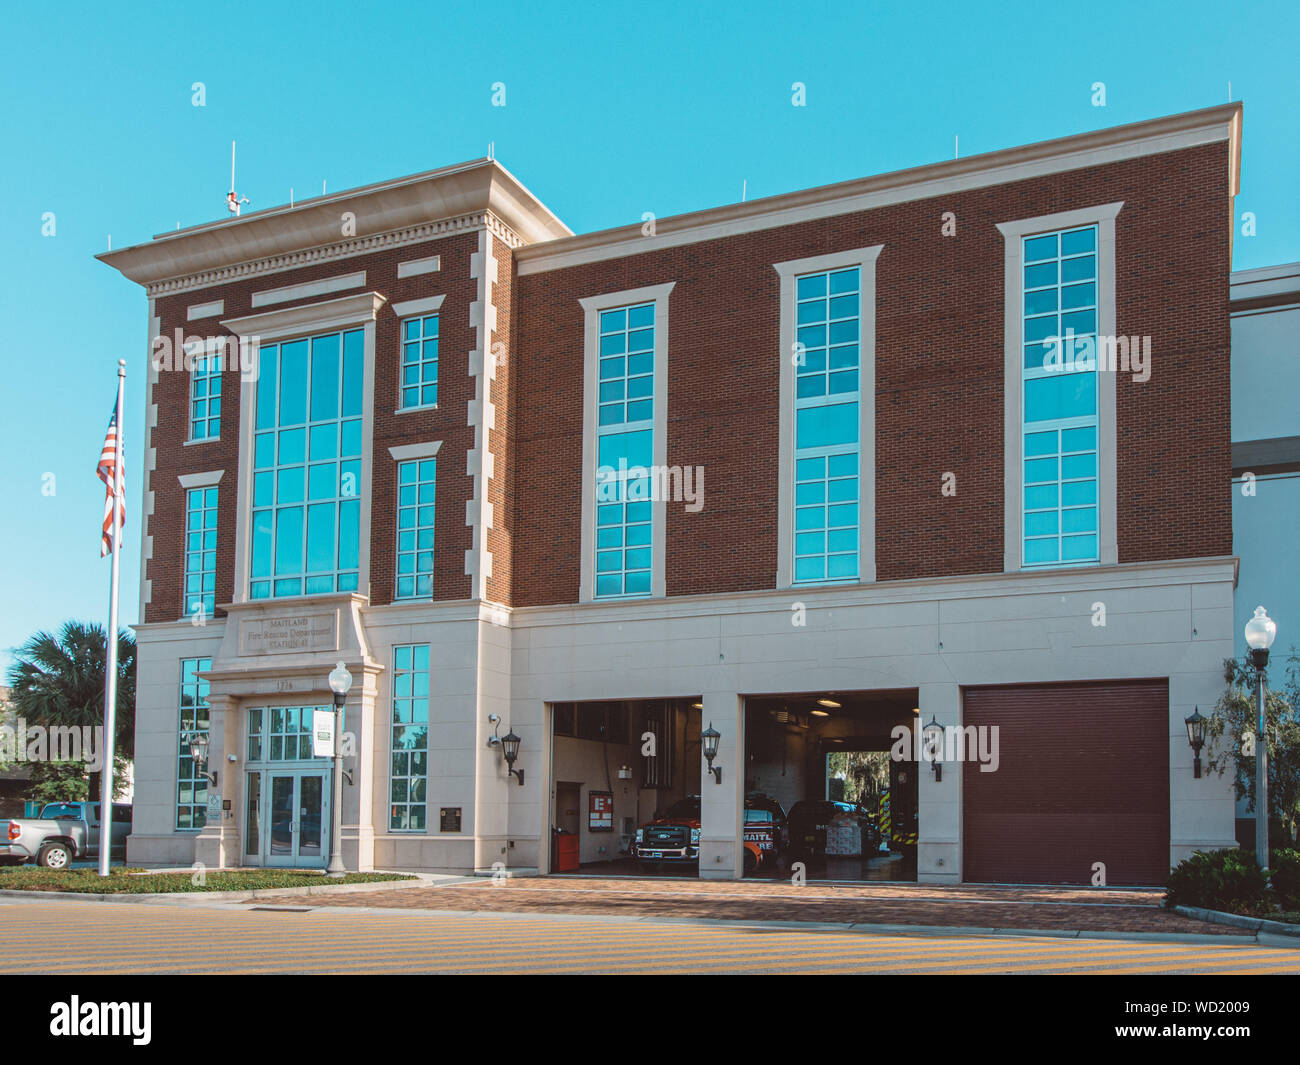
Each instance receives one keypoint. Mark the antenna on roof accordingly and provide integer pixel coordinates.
(956, 150)
(1230, 92)
(233, 200)
(744, 188)
(492, 149)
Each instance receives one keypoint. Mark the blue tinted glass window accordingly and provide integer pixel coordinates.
(624, 450)
(306, 512)
(1060, 284)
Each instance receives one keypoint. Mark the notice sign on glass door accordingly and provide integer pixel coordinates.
(600, 811)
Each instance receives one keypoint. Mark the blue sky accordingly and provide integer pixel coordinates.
(611, 110)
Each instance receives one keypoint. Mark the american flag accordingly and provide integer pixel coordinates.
(107, 467)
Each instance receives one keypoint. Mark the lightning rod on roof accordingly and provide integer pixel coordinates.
(233, 200)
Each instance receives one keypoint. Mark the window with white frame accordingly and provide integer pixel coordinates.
(1060, 397)
(624, 451)
(191, 778)
(200, 550)
(420, 362)
(307, 466)
(205, 397)
(409, 776)
(827, 451)
(416, 493)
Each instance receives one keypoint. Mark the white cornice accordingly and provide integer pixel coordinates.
(1193, 128)
(470, 196)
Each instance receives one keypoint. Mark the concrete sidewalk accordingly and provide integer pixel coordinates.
(1060, 910)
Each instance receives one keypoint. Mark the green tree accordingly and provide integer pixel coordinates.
(59, 681)
(1232, 725)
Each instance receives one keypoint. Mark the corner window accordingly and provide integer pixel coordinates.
(307, 445)
(420, 362)
(200, 551)
(191, 779)
(409, 779)
(416, 492)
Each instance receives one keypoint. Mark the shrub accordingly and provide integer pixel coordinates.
(1228, 880)
(1284, 874)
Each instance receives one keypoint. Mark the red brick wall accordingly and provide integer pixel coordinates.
(939, 391)
(448, 423)
(500, 538)
(939, 380)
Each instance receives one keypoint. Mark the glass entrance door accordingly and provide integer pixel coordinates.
(297, 818)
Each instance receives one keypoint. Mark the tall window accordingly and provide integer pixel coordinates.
(416, 490)
(420, 362)
(827, 446)
(307, 467)
(205, 398)
(625, 450)
(410, 750)
(1060, 397)
(191, 779)
(200, 550)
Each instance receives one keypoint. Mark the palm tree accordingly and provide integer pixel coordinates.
(59, 681)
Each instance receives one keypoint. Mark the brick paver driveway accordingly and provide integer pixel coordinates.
(1057, 908)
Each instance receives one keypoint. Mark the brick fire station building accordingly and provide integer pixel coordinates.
(801, 469)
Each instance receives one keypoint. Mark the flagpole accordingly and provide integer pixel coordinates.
(110, 665)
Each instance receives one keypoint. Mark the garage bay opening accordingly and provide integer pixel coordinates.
(822, 790)
(626, 787)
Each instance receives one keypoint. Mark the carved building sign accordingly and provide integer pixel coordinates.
(309, 632)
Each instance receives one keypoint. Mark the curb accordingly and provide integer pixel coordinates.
(1258, 925)
(182, 897)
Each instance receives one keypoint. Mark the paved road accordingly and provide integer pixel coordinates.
(114, 937)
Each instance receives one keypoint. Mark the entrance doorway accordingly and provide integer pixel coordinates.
(287, 793)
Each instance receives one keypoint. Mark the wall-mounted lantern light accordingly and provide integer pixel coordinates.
(709, 738)
(509, 744)
(625, 772)
(933, 739)
(1196, 724)
(199, 754)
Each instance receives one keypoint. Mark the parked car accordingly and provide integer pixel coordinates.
(64, 832)
(809, 820)
(674, 837)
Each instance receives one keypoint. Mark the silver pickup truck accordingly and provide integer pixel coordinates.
(64, 832)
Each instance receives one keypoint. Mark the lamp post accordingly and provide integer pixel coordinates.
(340, 683)
(1261, 631)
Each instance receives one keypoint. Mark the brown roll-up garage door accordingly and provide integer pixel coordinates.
(1083, 778)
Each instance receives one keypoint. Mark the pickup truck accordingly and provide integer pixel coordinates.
(64, 832)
